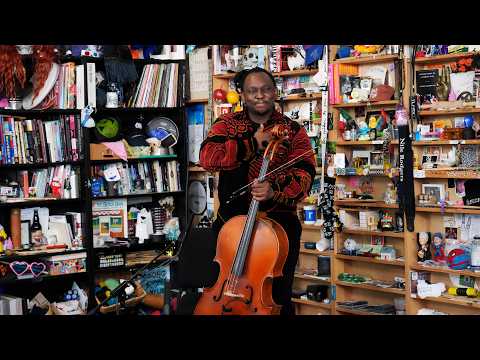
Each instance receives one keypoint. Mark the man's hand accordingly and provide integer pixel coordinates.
(263, 138)
(262, 191)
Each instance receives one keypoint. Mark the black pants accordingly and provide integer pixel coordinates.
(282, 286)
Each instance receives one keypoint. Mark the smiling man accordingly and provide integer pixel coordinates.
(234, 147)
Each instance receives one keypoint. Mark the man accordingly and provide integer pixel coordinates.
(235, 146)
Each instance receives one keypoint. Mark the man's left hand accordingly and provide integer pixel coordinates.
(262, 191)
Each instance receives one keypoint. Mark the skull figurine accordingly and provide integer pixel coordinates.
(250, 58)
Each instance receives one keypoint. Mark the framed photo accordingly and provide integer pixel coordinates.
(363, 156)
(429, 159)
(25, 233)
(451, 233)
(376, 160)
(435, 190)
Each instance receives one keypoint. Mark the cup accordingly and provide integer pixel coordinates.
(310, 214)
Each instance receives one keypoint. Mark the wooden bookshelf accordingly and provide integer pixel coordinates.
(371, 287)
(367, 104)
(449, 209)
(315, 252)
(442, 58)
(393, 234)
(445, 270)
(445, 142)
(371, 260)
(313, 278)
(459, 301)
(365, 203)
(363, 142)
(347, 310)
(196, 101)
(448, 174)
(367, 59)
(312, 303)
(297, 97)
(461, 111)
(300, 72)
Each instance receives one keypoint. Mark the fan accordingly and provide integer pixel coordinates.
(197, 197)
(164, 129)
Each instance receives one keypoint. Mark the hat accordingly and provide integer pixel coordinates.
(382, 93)
(136, 137)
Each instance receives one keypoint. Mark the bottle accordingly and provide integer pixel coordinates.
(36, 229)
(67, 188)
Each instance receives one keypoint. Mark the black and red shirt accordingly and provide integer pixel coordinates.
(231, 148)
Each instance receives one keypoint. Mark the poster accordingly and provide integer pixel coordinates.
(109, 220)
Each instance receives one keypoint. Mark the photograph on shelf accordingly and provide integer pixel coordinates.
(437, 191)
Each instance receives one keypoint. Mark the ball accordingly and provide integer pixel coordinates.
(233, 97)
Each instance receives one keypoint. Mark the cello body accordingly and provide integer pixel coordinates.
(264, 259)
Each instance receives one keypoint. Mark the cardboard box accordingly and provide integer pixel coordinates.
(101, 152)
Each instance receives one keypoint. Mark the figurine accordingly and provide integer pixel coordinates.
(386, 222)
(363, 131)
(398, 222)
(438, 247)
(3, 238)
(390, 194)
(423, 241)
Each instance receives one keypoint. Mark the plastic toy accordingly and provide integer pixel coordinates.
(233, 97)
(363, 131)
(438, 247)
(219, 96)
(470, 292)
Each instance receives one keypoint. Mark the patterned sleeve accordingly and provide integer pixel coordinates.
(294, 184)
(222, 149)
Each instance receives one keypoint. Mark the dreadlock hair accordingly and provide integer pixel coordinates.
(239, 79)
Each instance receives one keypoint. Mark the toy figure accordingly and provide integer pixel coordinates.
(386, 222)
(438, 248)
(390, 194)
(363, 131)
(3, 238)
(423, 241)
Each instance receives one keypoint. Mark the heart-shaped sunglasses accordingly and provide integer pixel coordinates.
(21, 267)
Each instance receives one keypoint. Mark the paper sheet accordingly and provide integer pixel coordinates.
(462, 81)
(198, 67)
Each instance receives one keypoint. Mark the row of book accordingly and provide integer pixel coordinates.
(53, 182)
(32, 141)
(141, 177)
(158, 86)
(69, 87)
(13, 305)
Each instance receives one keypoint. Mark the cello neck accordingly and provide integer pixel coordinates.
(248, 228)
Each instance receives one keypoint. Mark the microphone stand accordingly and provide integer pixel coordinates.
(118, 291)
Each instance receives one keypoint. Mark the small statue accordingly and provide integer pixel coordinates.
(386, 222)
(423, 241)
(438, 248)
(363, 131)
(390, 194)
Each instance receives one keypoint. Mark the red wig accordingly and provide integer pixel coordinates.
(11, 68)
(43, 57)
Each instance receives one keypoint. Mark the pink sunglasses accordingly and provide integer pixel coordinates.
(21, 267)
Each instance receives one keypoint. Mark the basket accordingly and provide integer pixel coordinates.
(129, 303)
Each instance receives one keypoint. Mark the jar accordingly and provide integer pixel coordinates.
(475, 252)
(310, 214)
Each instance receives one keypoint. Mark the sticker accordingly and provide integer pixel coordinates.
(85, 118)
(419, 174)
(111, 173)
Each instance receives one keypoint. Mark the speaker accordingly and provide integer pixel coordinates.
(195, 267)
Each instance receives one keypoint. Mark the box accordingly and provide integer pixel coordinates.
(66, 264)
(101, 152)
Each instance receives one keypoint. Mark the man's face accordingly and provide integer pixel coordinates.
(258, 93)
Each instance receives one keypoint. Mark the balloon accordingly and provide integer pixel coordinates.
(219, 95)
(233, 97)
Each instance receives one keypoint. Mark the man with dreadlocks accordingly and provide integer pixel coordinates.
(234, 147)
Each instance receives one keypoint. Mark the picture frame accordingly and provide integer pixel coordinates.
(376, 160)
(435, 190)
(25, 233)
(363, 155)
(451, 233)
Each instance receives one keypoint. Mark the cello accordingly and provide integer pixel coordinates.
(251, 251)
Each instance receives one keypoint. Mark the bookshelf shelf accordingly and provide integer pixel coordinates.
(313, 278)
(196, 101)
(445, 270)
(312, 303)
(40, 113)
(460, 301)
(347, 310)
(371, 287)
(366, 104)
(128, 110)
(441, 58)
(445, 142)
(362, 142)
(449, 174)
(40, 165)
(39, 253)
(146, 158)
(370, 260)
(393, 234)
(449, 209)
(41, 202)
(315, 252)
(363, 203)
(43, 278)
(367, 59)
(300, 72)
(469, 110)
(163, 193)
(301, 97)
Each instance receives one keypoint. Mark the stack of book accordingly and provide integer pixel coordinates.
(25, 141)
(57, 182)
(141, 177)
(158, 86)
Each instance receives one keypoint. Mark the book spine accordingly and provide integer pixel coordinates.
(80, 86)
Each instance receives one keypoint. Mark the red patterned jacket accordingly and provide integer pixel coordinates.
(231, 149)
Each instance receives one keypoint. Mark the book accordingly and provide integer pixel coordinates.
(91, 88)
(80, 86)
(426, 82)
